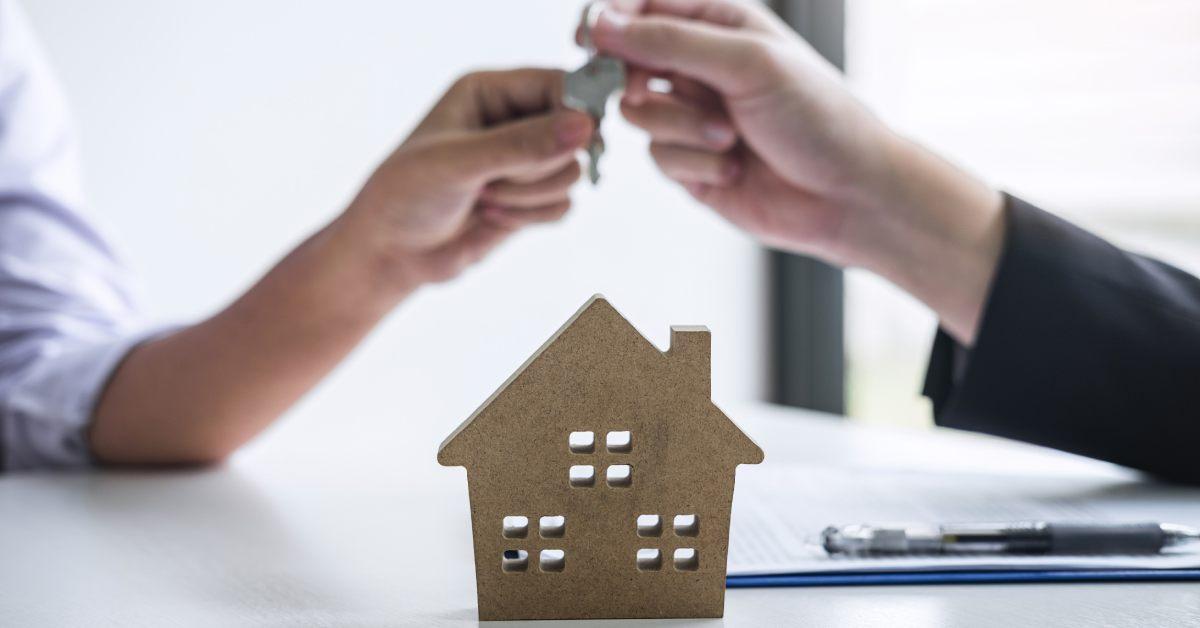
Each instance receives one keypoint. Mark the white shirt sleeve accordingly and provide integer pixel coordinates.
(67, 309)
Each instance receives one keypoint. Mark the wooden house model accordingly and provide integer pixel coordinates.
(601, 478)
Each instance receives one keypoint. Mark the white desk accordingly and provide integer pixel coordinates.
(335, 540)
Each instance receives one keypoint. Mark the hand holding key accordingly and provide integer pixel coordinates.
(762, 129)
(589, 88)
(497, 153)
(756, 124)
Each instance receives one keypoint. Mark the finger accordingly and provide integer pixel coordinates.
(498, 96)
(476, 242)
(551, 189)
(735, 62)
(690, 165)
(640, 84)
(671, 121)
(694, 91)
(637, 84)
(515, 218)
(631, 7)
(545, 142)
(728, 13)
(543, 171)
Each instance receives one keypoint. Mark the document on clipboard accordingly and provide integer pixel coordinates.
(779, 512)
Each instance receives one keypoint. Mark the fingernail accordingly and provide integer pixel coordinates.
(613, 22)
(717, 133)
(571, 128)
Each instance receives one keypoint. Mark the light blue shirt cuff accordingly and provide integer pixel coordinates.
(48, 409)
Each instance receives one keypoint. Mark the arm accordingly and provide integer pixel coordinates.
(1068, 341)
(493, 156)
(199, 393)
(761, 128)
(1083, 347)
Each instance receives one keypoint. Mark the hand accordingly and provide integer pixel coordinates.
(757, 124)
(761, 128)
(497, 153)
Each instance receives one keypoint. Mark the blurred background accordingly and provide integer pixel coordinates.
(217, 135)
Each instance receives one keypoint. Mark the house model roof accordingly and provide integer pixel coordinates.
(597, 364)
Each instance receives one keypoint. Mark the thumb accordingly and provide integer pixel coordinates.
(733, 61)
(516, 147)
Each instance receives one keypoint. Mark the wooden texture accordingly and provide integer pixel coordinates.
(598, 375)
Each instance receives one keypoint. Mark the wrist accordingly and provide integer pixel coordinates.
(929, 227)
(370, 258)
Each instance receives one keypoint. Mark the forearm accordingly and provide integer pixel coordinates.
(198, 394)
(930, 228)
(1086, 348)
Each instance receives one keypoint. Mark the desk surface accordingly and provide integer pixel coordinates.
(337, 539)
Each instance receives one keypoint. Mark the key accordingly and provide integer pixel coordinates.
(589, 88)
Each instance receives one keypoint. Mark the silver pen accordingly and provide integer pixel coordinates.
(1024, 537)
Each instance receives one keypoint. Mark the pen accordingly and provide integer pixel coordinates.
(1023, 537)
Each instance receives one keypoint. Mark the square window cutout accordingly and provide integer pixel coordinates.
(619, 475)
(553, 560)
(649, 559)
(687, 525)
(582, 475)
(516, 527)
(619, 442)
(649, 525)
(582, 442)
(553, 527)
(687, 559)
(514, 560)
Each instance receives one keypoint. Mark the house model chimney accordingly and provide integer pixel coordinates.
(691, 348)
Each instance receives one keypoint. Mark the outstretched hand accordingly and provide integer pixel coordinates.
(495, 154)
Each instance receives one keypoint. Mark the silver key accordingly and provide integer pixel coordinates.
(589, 88)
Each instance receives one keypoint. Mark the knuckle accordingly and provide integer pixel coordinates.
(665, 35)
(732, 14)
(465, 82)
(772, 59)
(629, 111)
(539, 145)
(659, 152)
(639, 116)
(755, 53)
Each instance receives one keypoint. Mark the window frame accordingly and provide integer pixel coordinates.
(806, 296)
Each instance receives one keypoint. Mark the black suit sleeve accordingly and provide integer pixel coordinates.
(1082, 347)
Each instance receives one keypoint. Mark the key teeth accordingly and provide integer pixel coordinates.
(588, 89)
(595, 151)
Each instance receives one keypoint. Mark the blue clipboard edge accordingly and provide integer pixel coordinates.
(961, 577)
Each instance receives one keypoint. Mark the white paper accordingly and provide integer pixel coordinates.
(779, 512)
